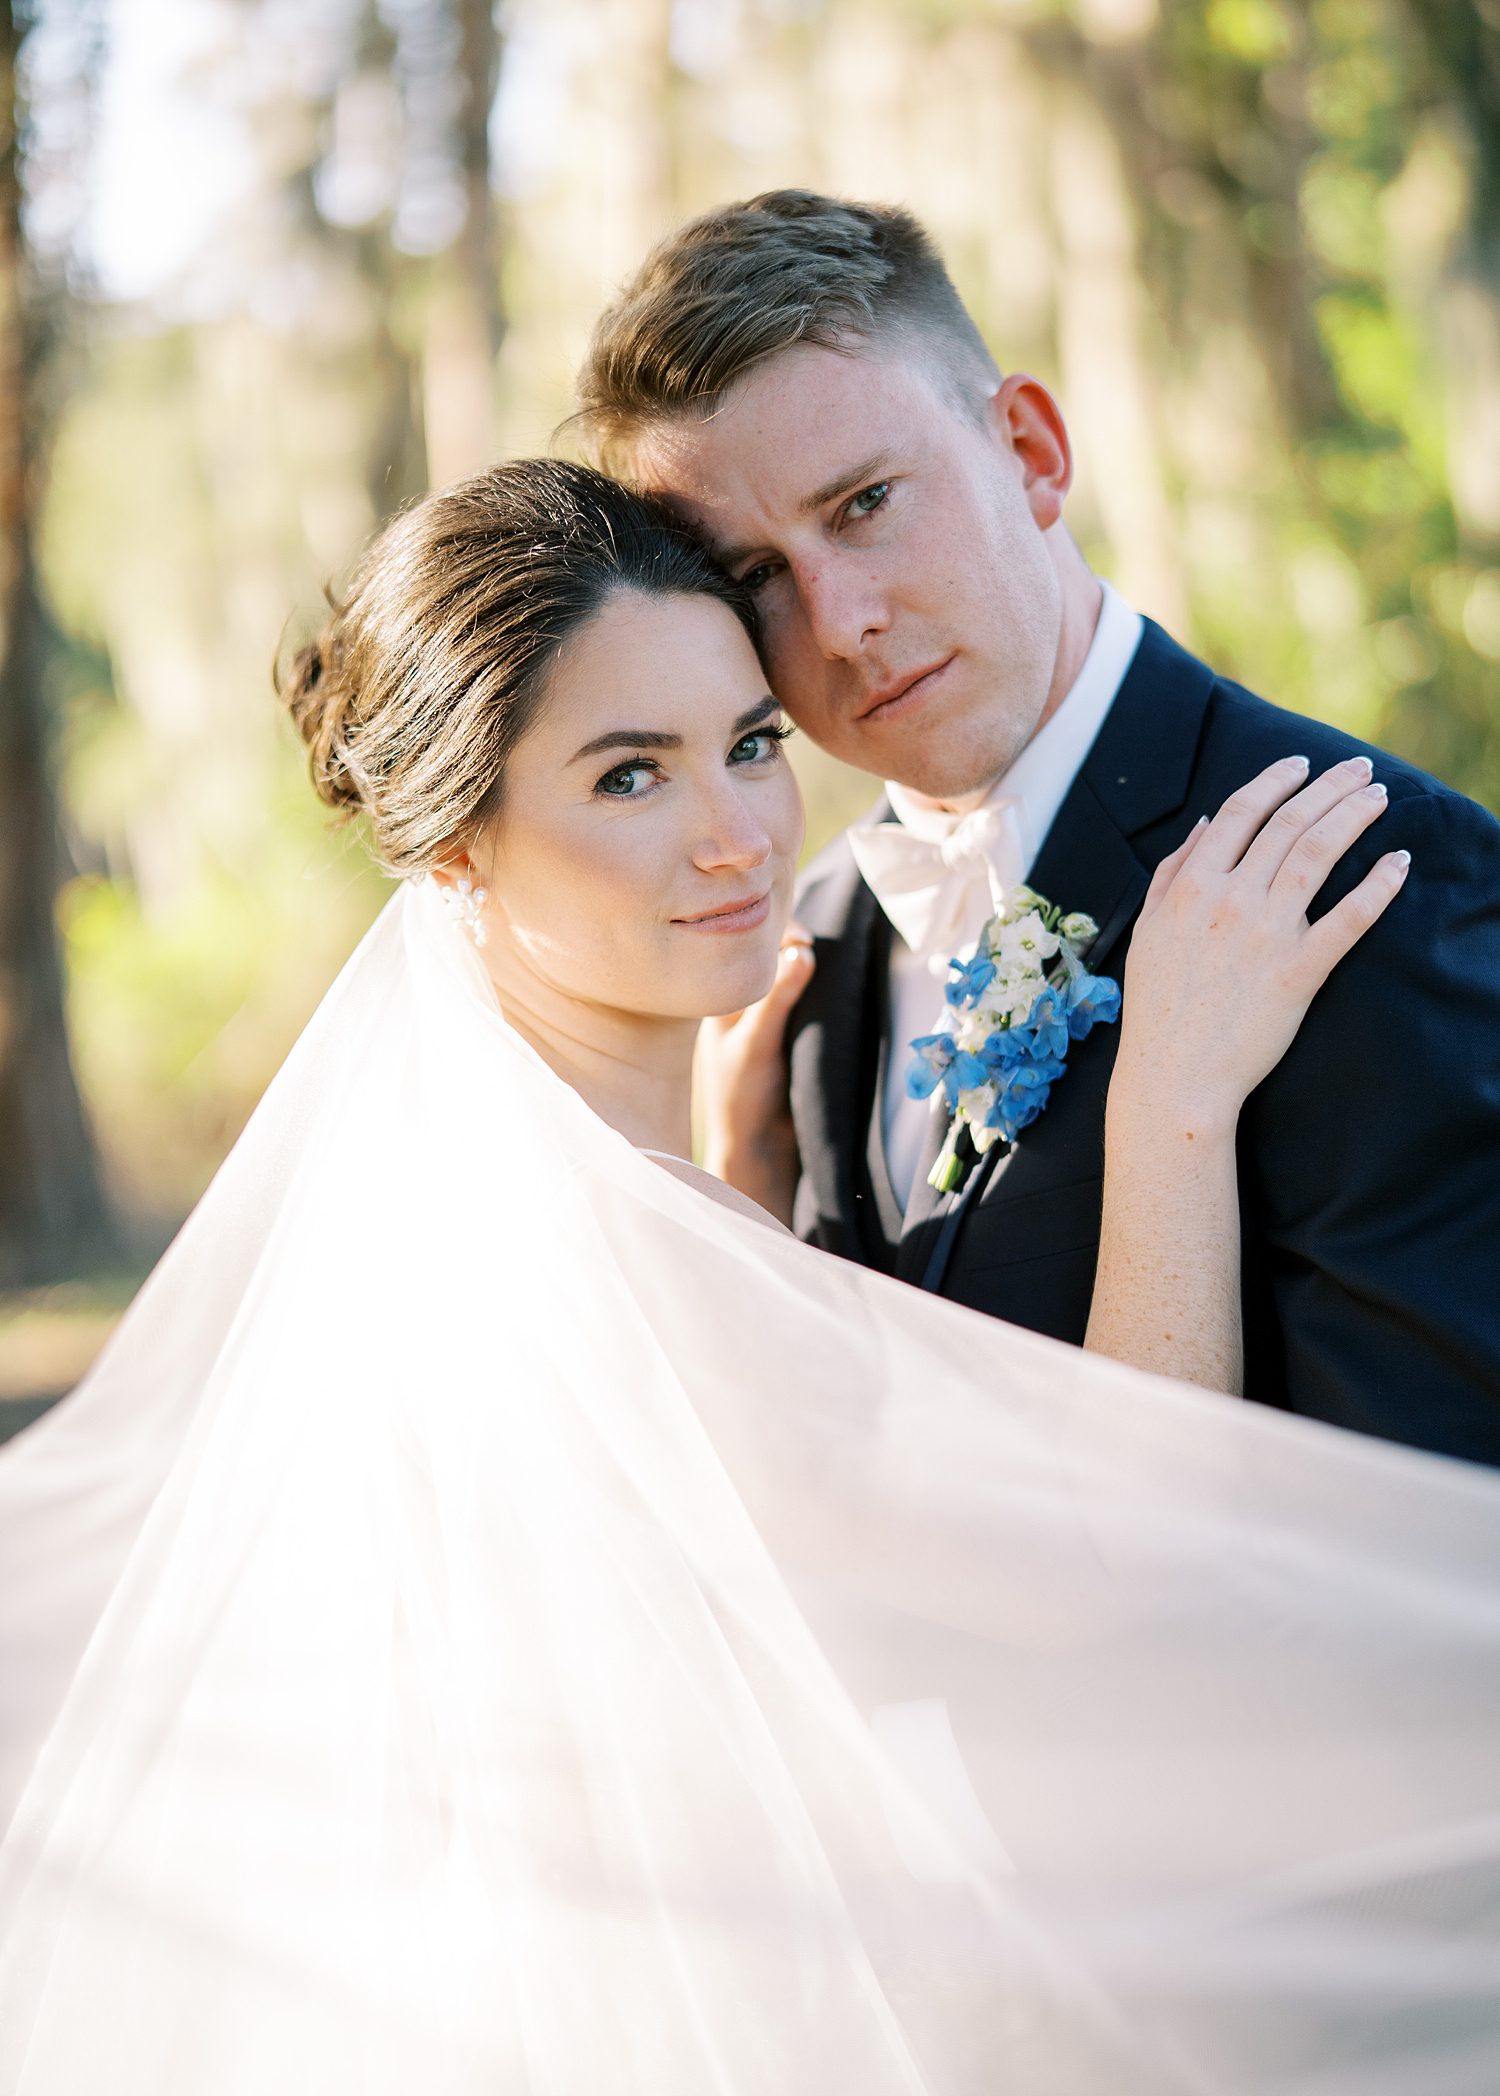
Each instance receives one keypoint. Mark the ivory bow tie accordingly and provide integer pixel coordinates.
(940, 893)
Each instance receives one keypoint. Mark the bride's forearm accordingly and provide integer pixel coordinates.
(1223, 965)
(1167, 1291)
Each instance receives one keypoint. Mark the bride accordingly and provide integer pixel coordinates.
(503, 1615)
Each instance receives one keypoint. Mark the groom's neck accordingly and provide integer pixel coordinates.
(1082, 601)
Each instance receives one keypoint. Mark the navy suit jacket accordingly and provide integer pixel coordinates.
(1369, 1161)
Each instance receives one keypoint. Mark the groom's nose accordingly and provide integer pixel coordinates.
(842, 602)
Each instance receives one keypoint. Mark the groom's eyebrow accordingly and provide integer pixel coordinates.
(860, 476)
(659, 739)
(852, 478)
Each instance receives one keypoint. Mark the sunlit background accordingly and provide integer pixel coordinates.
(272, 267)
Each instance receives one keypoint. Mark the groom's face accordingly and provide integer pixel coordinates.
(894, 536)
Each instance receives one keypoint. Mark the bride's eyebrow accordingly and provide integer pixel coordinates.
(659, 739)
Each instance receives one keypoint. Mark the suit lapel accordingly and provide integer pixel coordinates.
(887, 1208)
(837, 1032)
(1087, 864)
(924, 1204)
(1137, 774)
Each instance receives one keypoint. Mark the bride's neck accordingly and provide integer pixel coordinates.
(633, 1069)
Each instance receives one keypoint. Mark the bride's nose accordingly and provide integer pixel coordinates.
(731, 836)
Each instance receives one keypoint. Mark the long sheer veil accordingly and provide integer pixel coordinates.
(495, 1620)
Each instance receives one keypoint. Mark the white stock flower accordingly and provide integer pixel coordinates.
(1024, 946)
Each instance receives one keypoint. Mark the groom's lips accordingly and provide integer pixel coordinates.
(905, 695)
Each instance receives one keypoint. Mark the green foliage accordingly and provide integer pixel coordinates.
(1309, 182)
(179, 1017)
(1255, 32)
(1296, 191)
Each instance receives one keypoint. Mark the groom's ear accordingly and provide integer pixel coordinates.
(1024, 417)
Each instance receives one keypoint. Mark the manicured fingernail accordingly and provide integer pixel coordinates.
(1373, 793)
(1402, 858)
(1361, 767)
(1302, 763)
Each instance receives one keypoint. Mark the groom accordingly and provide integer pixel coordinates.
(799, 376)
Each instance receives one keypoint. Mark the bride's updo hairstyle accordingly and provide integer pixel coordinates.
(435, 660)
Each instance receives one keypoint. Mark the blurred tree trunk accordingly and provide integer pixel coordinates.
(464, 324)
(50, 1201)
(1463, 41)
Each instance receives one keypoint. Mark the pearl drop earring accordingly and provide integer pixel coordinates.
(465, 905)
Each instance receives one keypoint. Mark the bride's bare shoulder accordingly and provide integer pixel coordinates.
(705, 1183)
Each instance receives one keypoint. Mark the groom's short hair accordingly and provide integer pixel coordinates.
(742, 283)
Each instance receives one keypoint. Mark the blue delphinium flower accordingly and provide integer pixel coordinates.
(965, 1072)
(1046, 1026)
(1005, 1047)
(1013, 1046)
(970, 981)
(1092, 1000)
(997, 1086)
(1020, 1098)
(1020, 1067)
(932, 1055)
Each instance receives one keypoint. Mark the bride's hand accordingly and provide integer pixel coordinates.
(748, 1139)
(1223, 962)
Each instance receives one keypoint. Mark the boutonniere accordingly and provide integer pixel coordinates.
(1011, 1014)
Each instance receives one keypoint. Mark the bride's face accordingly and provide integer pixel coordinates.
(647, 843)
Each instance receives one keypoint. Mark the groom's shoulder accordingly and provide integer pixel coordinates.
(1243, 733)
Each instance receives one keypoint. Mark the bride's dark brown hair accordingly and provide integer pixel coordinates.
(434, 660)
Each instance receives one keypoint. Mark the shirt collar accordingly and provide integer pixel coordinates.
(1037, 783)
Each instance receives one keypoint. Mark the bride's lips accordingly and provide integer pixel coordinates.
(904, 696)
(730, 917)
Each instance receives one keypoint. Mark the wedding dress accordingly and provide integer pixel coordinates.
(498, 1620)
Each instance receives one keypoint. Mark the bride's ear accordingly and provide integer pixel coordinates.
(457, 866)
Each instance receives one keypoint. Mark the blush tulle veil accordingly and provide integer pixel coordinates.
(496, 1620)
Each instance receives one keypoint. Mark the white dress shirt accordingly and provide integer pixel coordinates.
(1033, 789)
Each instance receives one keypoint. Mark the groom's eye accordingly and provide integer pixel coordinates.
(869, 499)
(756, 578)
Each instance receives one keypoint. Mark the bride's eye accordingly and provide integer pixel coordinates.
(620, 784)
(756, 748)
